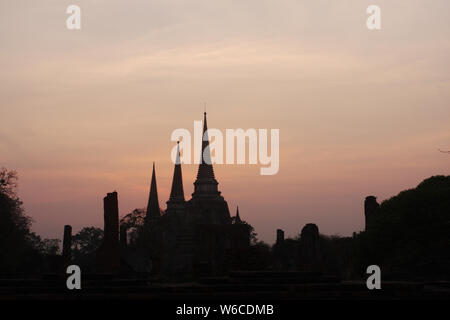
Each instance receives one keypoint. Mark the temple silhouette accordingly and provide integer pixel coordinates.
(196, 248)
(190, 238)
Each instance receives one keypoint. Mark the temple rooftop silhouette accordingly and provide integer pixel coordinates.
(191, 237)
(195, 248)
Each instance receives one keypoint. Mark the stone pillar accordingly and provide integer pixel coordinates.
(371, 211)
(123, 236)
(108, 255)
(67, 245)
(310, 251)
(278, 252)
(111, 219)
(280, 237)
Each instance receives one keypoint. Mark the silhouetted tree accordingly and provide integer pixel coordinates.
(8, 182)
(134, 223)
(19, 247)
(411, 236)
(253, 234)
(50, 247)
(87, 240)
(84, 246)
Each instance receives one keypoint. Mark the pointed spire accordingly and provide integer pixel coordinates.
(206, 183)
(238, 218)
(153, 203)
(177, 193)
(205, 169)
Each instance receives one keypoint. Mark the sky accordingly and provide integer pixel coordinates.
(360, 112)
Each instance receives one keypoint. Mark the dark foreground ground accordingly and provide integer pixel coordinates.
(238, 286)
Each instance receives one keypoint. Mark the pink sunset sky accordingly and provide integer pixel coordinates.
(360, 112)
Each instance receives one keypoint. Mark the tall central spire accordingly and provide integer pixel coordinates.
(206, 183)
(205, 169)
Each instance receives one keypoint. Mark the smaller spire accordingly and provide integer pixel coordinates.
(153, 209)
(177, 193)
(238, 218)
